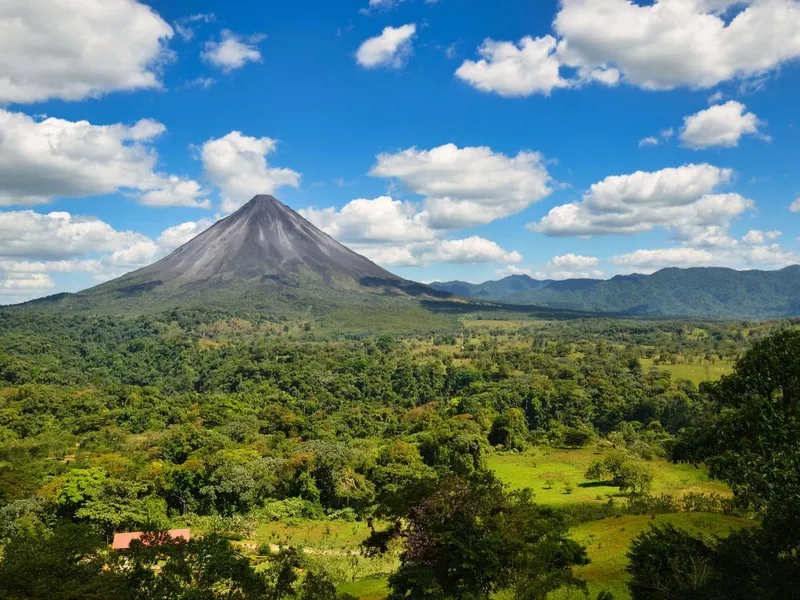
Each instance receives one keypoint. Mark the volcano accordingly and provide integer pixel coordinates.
(263, 239)
(264, 256)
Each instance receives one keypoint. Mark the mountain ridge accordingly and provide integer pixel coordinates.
(709, 292)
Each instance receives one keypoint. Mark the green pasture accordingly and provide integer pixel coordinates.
(697, 373)
(607, 542)
(557, 476)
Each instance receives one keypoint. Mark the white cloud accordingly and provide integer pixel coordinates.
(185, 25)
(508, 69)
(721, 125)
(177, 191)
(178, 235)
(468, 186)
(41, 160)
(27, 281)
(716, 97)
(389, 49)
(382, 5)
(756, 237)
(35, 246)
(652, 260)
(652, 140)
(58, 236)
(471, 250)
(233, 51)
(382, 219)
(758, 257)
(678, 199)
(795, 206)
(76, 50)
(389, 256)
(572, 266)
(237, 165)
(571, 262)
(657, 46)
(513, 270)
(673, 43)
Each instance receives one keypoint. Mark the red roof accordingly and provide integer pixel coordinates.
(123, 540)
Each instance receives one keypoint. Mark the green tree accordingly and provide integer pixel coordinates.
(509, 430)
(470, 539)
(626, 472)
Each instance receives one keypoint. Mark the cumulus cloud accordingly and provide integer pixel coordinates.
(177, 191)
(178, 235)
(755, 237)
(389, 49)
(27, 281)
(681, 199)
(468, 186)
(513, 270)
(75, 50)
(673, 43)
(396, 233)
(233, 51)
(720, 125)
(657, 46)
(34, 247)
(573, 266)
(570, 262)
(758, 257)
(237, 165)
(795, 206)
(471, 250)
(648, 141)
(509, 69)
(382, 219)
(58, 235)
(41, 160)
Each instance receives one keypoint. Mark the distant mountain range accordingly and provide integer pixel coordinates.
(698, 292)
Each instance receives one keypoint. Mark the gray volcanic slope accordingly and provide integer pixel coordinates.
(263, 238)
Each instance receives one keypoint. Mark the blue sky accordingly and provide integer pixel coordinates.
(450, 139)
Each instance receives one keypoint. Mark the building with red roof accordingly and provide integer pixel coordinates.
(122, 541)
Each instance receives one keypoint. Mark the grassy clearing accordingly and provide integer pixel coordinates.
(334, 545)
(328, 535)
(607, 542)
(549, 472)
(374, 588)
(697, 373)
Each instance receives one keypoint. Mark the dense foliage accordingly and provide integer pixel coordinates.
(196, 418)
(748, 434)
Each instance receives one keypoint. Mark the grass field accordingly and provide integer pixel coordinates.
(607, 543)
(548, 472)
(696, 373)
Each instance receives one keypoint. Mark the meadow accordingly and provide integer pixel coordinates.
(557, 476)
(697, 373)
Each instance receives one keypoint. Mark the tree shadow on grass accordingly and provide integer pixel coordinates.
(596, 484)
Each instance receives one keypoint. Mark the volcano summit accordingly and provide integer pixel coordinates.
(264, 256)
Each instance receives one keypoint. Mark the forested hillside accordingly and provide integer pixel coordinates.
(698, 292)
